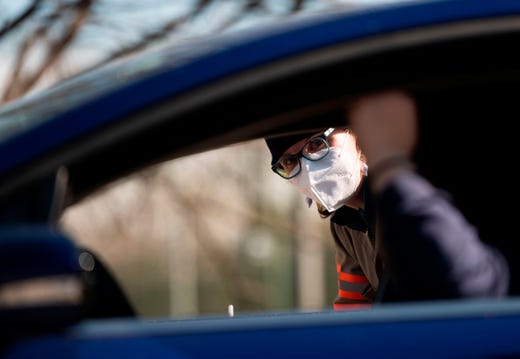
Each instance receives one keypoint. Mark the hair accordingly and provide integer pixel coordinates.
(322, 211)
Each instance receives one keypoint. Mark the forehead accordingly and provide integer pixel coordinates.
(296, 147)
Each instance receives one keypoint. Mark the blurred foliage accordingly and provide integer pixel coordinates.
(195, 234)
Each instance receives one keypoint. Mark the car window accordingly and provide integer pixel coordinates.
(194, 235)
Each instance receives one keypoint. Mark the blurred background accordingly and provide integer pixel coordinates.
(190, 236)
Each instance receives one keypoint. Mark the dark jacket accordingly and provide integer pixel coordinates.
(424, 249)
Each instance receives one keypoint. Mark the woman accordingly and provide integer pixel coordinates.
(421, 247)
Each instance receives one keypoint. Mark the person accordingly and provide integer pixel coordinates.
(397, 237)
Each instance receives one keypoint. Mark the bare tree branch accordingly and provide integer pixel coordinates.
(31, 10)
(145, 40)
(15, 86)
(297, 5)
(152, 37)
(21, 83)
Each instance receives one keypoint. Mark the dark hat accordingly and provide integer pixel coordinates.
(278, 145)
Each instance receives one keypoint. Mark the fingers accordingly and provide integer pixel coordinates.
(385, 125)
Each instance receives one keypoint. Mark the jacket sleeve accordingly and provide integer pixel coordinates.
(433, 252)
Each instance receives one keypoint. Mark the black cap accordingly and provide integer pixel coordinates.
(278, 145)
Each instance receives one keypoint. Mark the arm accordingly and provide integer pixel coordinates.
(433, 251)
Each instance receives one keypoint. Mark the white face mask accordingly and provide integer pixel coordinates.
(331, 180)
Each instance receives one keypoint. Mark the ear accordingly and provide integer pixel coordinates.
(364, 169)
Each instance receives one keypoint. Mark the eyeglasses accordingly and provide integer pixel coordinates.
(289, 166)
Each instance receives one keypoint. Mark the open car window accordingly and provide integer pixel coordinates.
(207, 231)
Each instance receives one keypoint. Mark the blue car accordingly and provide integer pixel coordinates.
(62, 144)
